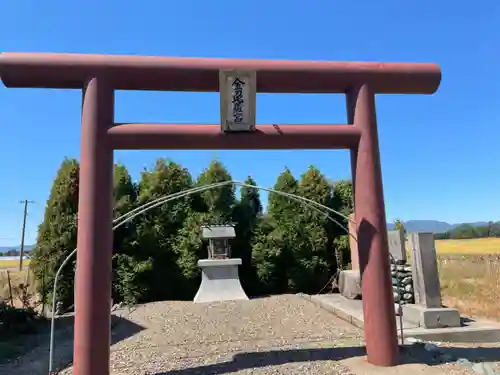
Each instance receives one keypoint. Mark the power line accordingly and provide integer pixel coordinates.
(23, 232)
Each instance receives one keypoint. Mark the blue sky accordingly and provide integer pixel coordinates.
(439, 153)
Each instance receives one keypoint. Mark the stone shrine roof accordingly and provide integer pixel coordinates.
(218, 231)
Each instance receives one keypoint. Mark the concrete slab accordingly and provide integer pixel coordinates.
(349, 310)
(477, 331)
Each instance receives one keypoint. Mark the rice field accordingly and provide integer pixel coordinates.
(479, 246)
(12, 263)
(469, 272)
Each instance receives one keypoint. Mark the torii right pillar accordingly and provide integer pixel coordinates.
(378, 301)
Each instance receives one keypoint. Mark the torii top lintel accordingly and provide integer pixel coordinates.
(70, 71)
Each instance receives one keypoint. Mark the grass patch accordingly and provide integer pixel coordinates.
(471, 283)
(21, 283)
(20, 319)
(469, 273)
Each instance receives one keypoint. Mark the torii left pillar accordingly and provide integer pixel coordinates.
(95, 233)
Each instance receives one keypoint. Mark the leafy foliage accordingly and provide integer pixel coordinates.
(290, 248)
(342, 202)
(189, 247)
(129, 283)
(399, 225)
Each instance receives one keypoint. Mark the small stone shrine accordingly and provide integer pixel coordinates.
(219, 273)
(218, 237)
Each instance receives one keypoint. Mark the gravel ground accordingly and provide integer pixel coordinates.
(487, 353)
(276, 335)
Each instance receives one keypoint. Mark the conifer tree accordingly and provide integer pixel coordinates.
(129, 270)
(158, 227)
(212, 206)
(272, 251)
(248, 212)
(312, 258)
(218, 202)
(57, 236)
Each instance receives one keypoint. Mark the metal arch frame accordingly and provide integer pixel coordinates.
(132, 214)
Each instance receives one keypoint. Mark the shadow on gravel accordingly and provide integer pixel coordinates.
(37, 344)
(15, 346)
(409, 354)
(417, 353)
(121, 329)
(242, 361)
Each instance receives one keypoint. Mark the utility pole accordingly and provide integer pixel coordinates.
(21, 252)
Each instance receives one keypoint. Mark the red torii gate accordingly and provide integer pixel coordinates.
(100, 75)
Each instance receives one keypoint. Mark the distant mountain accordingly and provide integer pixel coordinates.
(27, 248)
(433, 226)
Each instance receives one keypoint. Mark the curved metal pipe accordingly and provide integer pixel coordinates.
(159, 201)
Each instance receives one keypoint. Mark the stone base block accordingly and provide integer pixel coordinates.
(397, 309)
(431, 317)
(219, 281)
(350, 284)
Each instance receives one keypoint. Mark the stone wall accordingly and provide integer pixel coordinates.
(401, 271)
(402, 282)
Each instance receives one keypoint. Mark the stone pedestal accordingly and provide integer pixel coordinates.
(432, 317)
(219, 281)
(350, 284)
(353, 243)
